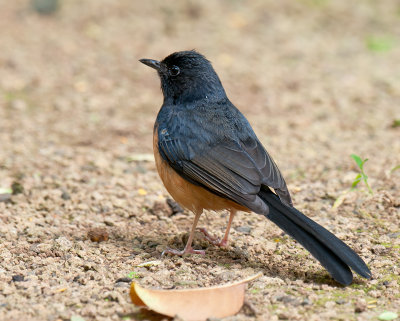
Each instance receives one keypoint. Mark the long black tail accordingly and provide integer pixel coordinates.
(331, 252)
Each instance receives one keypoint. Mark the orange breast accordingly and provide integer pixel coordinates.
(190, 196)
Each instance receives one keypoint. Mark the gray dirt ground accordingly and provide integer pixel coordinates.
(318, 79)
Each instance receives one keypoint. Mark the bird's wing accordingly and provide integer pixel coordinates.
(235, 169)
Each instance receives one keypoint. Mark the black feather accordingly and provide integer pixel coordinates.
(334, 254)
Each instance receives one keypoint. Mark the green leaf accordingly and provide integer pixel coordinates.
(387, 316)
(133, 274)
(380, 44)
(358, 160)
(5, 190)
(339, 200)
(356, 181)
(396, 123)
(391, 171)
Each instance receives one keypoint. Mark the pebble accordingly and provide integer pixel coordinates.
(394, 235)
(161, 208)
(97, 196)
(63, 243)
(18, 278)
(5, 197)
(341, 301)
(249, 309)
(175, 207)
(286, 299)
(108, 222)
(45, 6)
(65, 196)
(17, 188)
(122, 285)
(360, 306)
(98, 235)
(123, 280)
(284, 316)
(243, 229)
(330, 305)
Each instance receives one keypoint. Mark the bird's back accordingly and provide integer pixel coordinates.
(216, 136)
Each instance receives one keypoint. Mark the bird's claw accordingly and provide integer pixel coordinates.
(213, 239)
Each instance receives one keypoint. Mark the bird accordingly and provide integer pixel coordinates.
(209, 158)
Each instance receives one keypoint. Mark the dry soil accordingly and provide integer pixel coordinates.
(318, 80)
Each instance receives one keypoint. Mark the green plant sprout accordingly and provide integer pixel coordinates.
(133, 275)
(380, 43)
(360, 176)
(394, 169)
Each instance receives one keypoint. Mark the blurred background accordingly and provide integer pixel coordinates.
(318, 80)
(324, 72)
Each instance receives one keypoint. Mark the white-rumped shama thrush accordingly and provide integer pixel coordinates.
(209, 157)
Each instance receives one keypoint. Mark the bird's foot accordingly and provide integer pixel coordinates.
(186, 250)
(213, 239)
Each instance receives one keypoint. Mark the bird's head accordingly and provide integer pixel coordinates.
(187, 76)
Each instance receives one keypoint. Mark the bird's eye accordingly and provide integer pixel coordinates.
(174, 71)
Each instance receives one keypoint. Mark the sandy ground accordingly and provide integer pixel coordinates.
(318, 79)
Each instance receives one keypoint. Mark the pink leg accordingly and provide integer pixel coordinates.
(214, 240)
(188, 248)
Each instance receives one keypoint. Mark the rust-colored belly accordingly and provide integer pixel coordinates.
(190, 196)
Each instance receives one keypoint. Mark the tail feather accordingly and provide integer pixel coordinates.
(331, 252)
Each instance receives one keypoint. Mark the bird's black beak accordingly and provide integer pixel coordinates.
(151, 63)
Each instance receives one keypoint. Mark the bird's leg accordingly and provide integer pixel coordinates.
(188, 247)
(224, 241)
(216, 241)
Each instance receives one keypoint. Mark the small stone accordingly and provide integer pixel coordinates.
(65, 196)
(19, 104)
(306, 301)
(108, 222)
(125, 280)
(378, 249)
(394, 235)
(63, 243)
(243, 229)
(97, 196)
(375, 293)
(286, 299)
(122, 285)
(5, 197)
(83, 206)
(330, 305)
(98, 235)
(284, 316)
(175, 207)
(17, 188)
(249, 309)
(360, 306)
(161, 208)
(18, 278)
(45, 6)
(341, 301)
